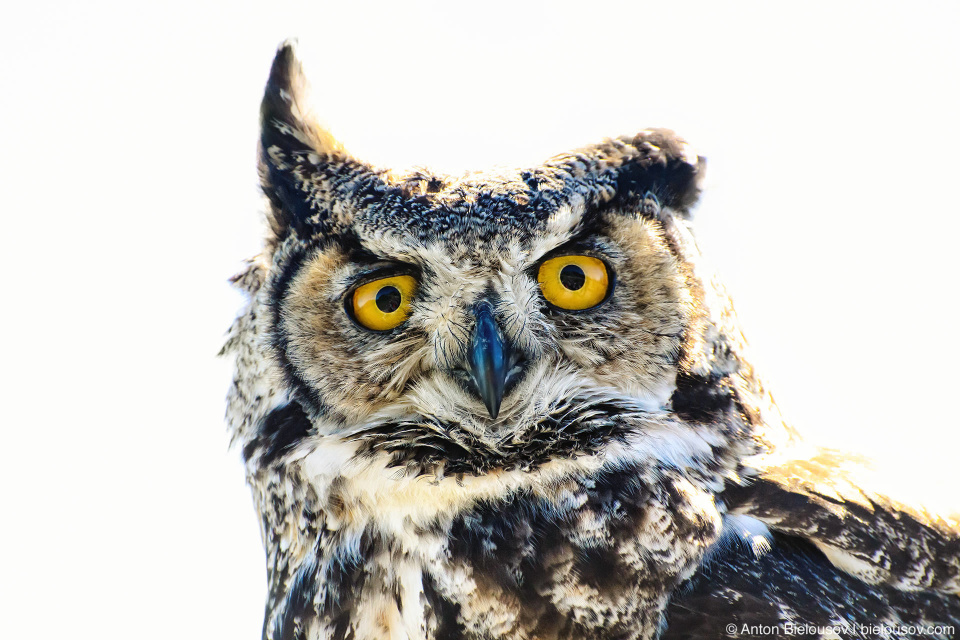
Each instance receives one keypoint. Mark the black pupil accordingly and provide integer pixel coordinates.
(571, 277)
(388, 299)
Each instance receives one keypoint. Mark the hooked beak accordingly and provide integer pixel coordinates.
(489, 359)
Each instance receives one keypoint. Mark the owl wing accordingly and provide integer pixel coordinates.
(841, 554)
(832, 500)
(792, 590)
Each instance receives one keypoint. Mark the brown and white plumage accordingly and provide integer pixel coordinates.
(605, 492)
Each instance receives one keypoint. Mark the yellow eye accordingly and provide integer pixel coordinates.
(385, 303)
(574, 282)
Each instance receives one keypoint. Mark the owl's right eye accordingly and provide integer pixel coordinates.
(384, 304)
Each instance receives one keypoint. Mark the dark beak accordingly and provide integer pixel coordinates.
(489, 358)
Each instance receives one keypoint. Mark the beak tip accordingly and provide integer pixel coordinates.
(488, 359)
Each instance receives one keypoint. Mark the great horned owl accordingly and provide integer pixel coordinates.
(516, 405)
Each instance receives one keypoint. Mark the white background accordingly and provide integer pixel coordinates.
(129, 197)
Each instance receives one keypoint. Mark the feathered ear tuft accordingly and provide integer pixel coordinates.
(638, 173)
(285, 113)
(299, 158)
(667, 167)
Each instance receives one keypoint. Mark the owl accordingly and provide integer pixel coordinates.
(518, 405)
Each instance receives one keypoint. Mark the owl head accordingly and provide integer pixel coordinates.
(459, 325)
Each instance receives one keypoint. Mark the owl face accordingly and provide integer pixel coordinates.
(455, 323)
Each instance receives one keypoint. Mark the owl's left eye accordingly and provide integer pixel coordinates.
(383, 304)
(573, 282)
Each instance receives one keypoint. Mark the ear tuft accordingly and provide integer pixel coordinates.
(665, 167)
(286, 117)
(644, 173)
(312, 183)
